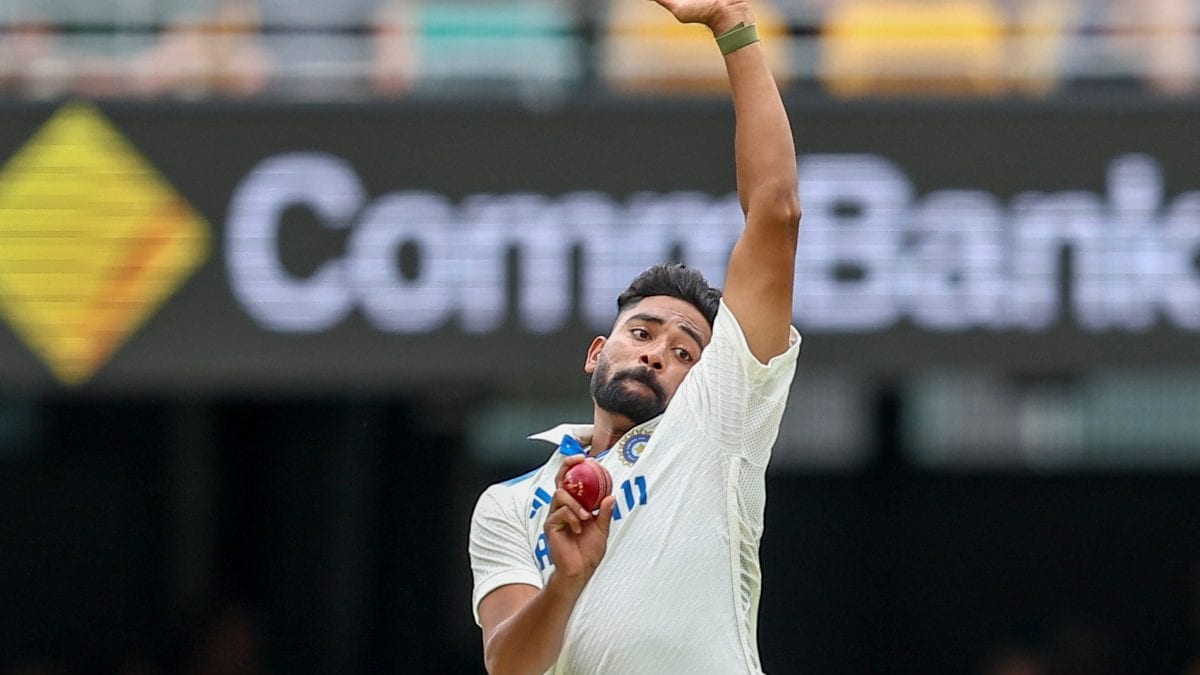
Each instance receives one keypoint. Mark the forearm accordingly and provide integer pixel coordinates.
(529, 641)
(761, 272)
(764, 150)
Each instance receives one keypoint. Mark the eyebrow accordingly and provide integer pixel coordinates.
(650, 318)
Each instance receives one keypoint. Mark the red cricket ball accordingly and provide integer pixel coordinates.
(588, 483)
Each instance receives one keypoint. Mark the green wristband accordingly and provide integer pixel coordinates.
(737, 37)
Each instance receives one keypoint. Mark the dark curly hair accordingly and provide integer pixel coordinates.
(677, 281)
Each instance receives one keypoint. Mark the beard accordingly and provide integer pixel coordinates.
(612, 392)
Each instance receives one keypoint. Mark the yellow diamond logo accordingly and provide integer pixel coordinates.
(92, 241)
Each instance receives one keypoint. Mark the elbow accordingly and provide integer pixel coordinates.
(494, 664)
(779, 207)
(494, 668)
(790, 212)
(491, 659)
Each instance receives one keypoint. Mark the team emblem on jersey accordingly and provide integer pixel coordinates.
(632, 449)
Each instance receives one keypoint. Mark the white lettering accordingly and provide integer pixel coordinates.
(390, 301)
(615, 255)
(329, 187)
(1135, 194)
(854, 211)
(951, 271)
(1180, 262)
(871, 253)
(1043, 225)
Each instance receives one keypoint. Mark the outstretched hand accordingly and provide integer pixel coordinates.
(716, 14)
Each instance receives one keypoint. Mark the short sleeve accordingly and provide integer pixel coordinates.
(733, 398)
(499, 549)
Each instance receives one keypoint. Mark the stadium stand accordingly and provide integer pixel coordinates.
(497, 47)
(539, 49)
(913, 46)
(644, 50)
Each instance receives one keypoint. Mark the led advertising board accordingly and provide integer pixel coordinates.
(170, 247)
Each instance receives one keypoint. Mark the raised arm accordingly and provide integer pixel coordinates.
(758, 284)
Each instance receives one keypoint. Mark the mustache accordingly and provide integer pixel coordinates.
(643, 375)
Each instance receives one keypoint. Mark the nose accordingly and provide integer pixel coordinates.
(653, 358)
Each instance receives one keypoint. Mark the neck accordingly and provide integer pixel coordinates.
(608, 428)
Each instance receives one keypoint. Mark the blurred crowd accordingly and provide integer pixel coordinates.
(192, 49)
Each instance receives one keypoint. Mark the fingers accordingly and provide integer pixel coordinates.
(604, 520)
(562, 518)
(566, 465)
(564, 498)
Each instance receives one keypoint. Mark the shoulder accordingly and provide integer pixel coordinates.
(730, 362)
(729, 336)
(720, 390)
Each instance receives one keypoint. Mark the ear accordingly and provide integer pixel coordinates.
(593, 354)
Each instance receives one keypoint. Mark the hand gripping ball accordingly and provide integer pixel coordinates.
(588, 483)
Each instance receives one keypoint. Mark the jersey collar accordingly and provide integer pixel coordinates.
(580, 432)
(572, 439)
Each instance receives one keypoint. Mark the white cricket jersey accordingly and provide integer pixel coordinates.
(678, 589)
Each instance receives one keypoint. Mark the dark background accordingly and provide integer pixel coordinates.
(339, 526)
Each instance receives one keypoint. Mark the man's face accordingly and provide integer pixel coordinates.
(636, 370)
